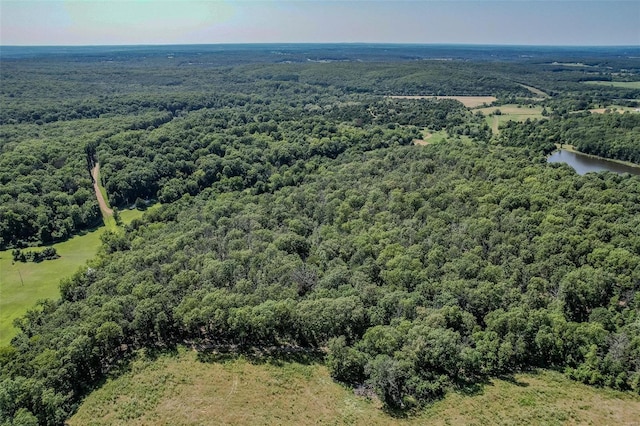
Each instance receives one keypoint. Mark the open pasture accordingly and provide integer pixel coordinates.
(509, 112)
(536, 91)
(184, 390)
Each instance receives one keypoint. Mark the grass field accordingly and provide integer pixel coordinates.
(23, 284)
(509, 112)
(128, 215)
(623, 84)
(180, 390)
(429, 138)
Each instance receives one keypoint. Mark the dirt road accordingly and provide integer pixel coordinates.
(95, 174)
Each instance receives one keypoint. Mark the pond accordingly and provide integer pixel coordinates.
(582, 163)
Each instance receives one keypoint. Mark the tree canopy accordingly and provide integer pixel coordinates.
(297, 212)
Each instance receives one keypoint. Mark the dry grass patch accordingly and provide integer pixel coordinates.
(535, 399)
(425, 138)
(181, 390)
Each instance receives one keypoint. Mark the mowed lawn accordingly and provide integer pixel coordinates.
(23, 284)
(181, 390)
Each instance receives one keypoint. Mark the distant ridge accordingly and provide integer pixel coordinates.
(274, 52)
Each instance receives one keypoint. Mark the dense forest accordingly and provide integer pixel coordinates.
(297, 213)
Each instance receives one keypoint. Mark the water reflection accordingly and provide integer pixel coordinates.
(584, 164)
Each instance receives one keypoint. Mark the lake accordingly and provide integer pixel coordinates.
(582, 163)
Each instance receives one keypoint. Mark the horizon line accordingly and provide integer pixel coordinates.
(317, 43)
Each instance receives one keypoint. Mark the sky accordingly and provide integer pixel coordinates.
(130, 22)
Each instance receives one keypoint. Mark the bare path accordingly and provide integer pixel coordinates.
(424, 139)
(95, 174)
(534, 90)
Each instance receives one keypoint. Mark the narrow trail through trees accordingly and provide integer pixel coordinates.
(95, 175)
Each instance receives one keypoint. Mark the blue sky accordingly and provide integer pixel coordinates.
(539, 22)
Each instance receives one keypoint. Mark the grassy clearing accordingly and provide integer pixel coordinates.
(429, 138)
(546, 398)
(181, 390)
(468, 101)
(23, 284)
(623, 84)
(509, 112)
(129, 215)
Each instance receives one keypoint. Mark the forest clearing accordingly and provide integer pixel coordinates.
(185, 390)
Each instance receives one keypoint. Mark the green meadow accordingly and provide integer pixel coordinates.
(23, 284)
(191, 388)
(509, 112)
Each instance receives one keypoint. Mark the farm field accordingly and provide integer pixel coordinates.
(468, 101)
(622, 84)
(181, 390)
(509, 112)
